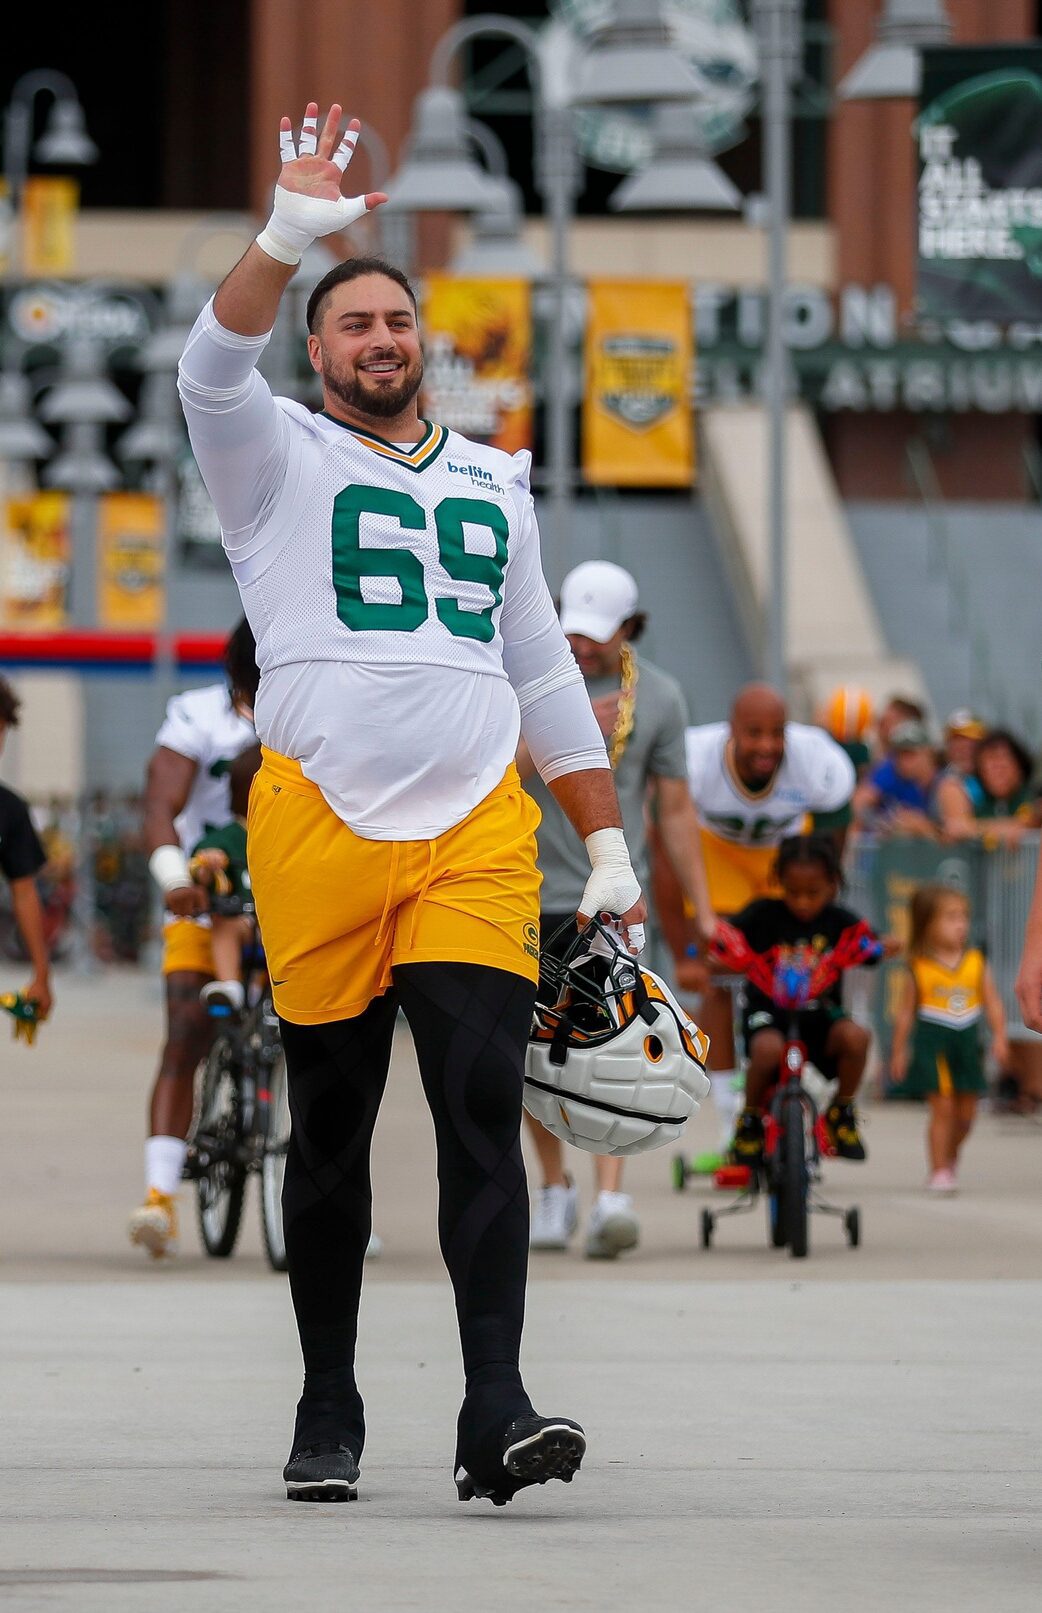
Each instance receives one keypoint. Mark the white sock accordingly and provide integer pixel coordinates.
(232, 990)
(726, 1101)
(164, 1161)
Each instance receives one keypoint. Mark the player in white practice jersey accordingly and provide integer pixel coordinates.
(754, 780)
(390, 570)
(187, 790)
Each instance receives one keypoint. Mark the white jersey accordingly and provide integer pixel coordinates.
(203, 725)
(815, 775)
(395, 593)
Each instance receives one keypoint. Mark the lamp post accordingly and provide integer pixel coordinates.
(440, 113)
(64, 141)
(777, 25)
(83, 402)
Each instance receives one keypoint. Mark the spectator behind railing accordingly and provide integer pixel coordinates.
(999, 804)
(962, 733)
(898, 709)
(897, 797)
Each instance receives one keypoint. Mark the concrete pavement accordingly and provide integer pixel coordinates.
(857, 1431)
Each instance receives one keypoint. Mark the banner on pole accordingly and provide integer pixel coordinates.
(980, 183)
(49, 208)
(34, 561)
(637, 416)
(478, 345)
(131, 581)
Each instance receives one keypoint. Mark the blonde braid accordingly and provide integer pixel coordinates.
(623, 728)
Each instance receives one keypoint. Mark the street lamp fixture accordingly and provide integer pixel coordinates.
(81, 466)
(497, 245)
(22, 438)
(681, 176)
(83, 401)
(65, 139)
(439, 173)
(632, 58)
(892, 68)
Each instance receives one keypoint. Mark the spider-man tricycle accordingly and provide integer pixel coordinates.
(795, 1136)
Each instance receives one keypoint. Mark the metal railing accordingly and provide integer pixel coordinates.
(881, 876)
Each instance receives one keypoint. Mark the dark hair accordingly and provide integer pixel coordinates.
(240, 663)
(353, 269)
(923, 909)
(10, 705)
(635, 625)
(808, 851)
(1016, 747)
(240, 777)
(908, 708)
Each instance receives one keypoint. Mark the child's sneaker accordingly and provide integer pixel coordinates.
(841, 1124)
(223, 997)
(154, 1225)
(943, 1182)
(747, 1146)
(612, 1227)
(555, 1215)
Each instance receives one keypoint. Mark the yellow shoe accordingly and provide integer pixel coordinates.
(154, 1225)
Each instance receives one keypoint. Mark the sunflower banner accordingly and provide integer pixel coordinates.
(478, 353)
(637, 417)
(35, 560)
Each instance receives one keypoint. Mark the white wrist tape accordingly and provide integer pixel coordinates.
(297, 220)
(168, 866)
(612, 886)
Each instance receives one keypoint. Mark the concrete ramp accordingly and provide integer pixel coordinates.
(833, 632)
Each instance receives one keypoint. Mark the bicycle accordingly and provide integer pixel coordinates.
(242, 1123)
(795, 1136)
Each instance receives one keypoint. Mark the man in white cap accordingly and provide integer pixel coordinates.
(642, 714)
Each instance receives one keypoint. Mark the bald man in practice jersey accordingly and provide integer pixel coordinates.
(754, 780)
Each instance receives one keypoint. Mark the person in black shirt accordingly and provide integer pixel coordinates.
(21, 858)
(805, 919)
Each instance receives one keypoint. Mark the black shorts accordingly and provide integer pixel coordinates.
(812, 1029)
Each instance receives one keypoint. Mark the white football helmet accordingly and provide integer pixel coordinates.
(615, 1065)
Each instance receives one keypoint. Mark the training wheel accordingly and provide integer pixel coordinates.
(852, 1227)
(679, 1164)
(708, 1224)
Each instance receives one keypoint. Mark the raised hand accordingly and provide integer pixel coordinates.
(316, 166)
(308, 203)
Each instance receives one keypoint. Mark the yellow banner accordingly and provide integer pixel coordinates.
(638, 429)
(6, 226)
(49, 207)
(34, 561)
(478, 350)
(130, 561)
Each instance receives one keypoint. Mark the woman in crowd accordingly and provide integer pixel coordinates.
(1004, 804)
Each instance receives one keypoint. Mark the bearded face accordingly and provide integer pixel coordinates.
(381, 383)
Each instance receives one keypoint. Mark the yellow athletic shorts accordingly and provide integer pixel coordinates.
(338, 912)
(737, 875)
(187, 945)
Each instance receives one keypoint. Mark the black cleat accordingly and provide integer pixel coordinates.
(323, 1472)
(535, 1450)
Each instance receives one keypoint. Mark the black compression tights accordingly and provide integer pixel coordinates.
(470, 1025)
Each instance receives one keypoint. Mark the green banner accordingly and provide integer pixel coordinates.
(980, 183)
